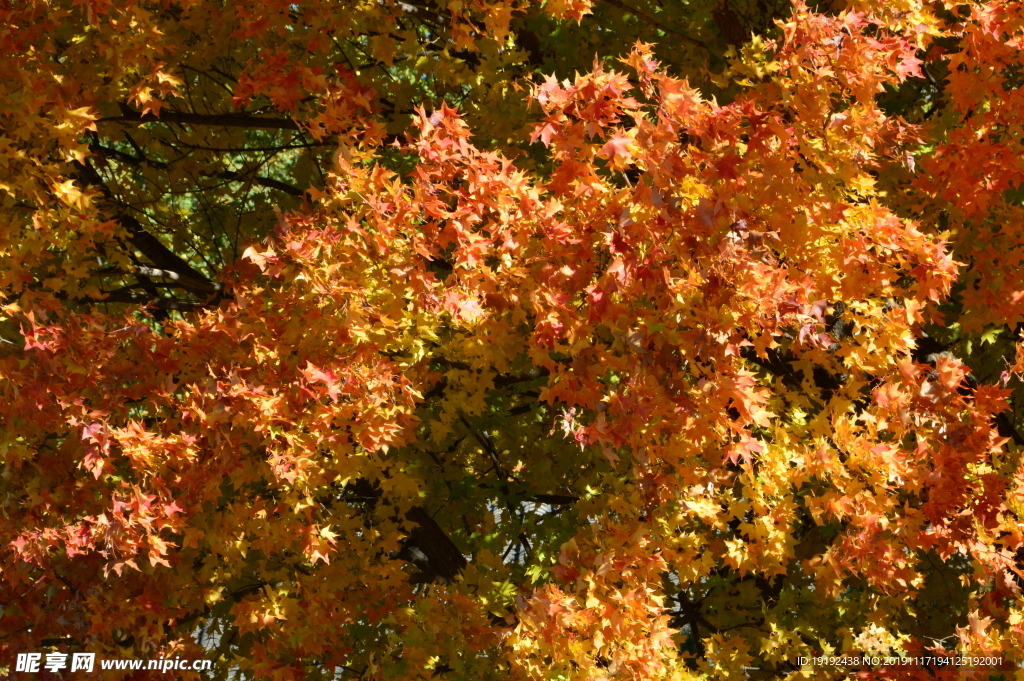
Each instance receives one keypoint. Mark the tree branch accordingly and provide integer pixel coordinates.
(145, 298)
(648, 19)
(101, 150)
(227, 174)
(151, 247)
(165, 259)
(262, 181)
(231, 120)
(554, 499)
(428, 541)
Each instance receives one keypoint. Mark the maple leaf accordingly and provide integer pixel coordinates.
(463, 306)
(616, 150)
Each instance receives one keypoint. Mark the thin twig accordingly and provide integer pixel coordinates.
(648, 19)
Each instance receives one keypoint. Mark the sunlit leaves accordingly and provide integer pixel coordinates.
(639, 382)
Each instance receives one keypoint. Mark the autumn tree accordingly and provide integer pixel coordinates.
(403, 340)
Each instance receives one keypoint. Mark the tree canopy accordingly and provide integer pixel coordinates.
(473, 339)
